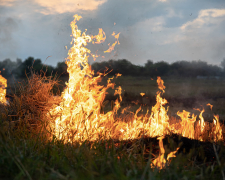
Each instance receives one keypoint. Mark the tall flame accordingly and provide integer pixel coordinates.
(80, 117)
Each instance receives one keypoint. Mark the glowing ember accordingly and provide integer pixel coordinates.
(3, 85)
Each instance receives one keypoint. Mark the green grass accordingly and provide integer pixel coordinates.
(32, 157)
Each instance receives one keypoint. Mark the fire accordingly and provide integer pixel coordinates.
(187, 124)
(3, 85)
(160, 162)
(111, 48)
(79, 116)
(100, 38)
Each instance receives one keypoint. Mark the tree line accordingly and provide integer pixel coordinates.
(22, 69)
(162, 68)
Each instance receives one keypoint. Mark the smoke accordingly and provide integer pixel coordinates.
(7, 27)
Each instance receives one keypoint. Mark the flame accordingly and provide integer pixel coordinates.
(202, 122)
(3, 85)
(100, 38)
(187, 124)
(111, 48)
(80, 115)
(217, 129)
(160, 162)
(210, 105)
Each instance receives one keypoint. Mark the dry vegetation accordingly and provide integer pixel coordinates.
(26, 152)
(181, 93)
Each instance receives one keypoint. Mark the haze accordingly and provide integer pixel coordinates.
(168, 30)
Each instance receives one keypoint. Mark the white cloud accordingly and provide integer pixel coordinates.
(207, 16)
(7, 2)
(59, 6)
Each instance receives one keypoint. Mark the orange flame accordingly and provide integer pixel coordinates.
(100, 38)
(160, 162)
(80, 115)
(3, 85)
(187, 124)
(111, 48)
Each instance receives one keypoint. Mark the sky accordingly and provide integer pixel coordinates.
(157, 30)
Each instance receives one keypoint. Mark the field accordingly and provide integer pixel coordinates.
(26, 153)
(182, 94)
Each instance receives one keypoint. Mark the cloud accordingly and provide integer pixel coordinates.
(205, 17)
(65, 6)
(204, 37)
(7, 2)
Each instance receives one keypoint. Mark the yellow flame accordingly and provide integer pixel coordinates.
(217, 129)
(100, 38)
(111, 48)
(3, 85)
(80, 115)
(187, 124)
(160, 162)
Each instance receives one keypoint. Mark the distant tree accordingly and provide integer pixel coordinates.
(7, 67)
(161, 68)
(149, 64)
(31, 64)
(223, 64)
(61, 69)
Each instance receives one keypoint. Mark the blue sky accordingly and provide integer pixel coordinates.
(168, 30)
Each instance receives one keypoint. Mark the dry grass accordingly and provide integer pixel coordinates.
(182, 94)
(31, 102)
(32, 157)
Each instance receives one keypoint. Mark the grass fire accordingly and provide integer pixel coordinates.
(70, 135)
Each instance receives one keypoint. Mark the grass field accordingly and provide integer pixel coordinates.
(26, 153)
(182, 94)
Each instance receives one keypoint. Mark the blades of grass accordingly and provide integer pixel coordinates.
(217, 158)
(15, 159)
(145, 170)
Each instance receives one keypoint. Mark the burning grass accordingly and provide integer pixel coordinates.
(67, 137)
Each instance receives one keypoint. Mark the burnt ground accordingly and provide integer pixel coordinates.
(200, 152)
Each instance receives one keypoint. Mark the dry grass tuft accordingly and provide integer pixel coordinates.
(31, 103)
